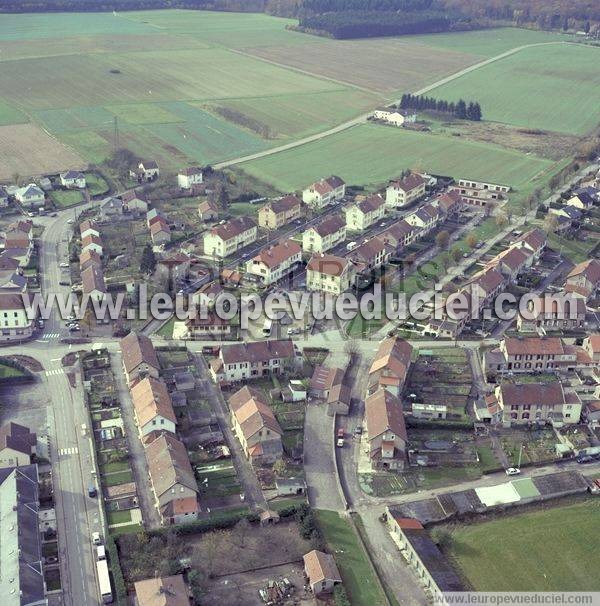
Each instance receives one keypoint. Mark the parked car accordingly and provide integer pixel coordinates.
(340, 432)
(585, 459)
(64, 265)
(96, 538)
(513, 471)
(340, 443)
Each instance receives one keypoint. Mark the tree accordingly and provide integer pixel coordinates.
(351, 348)
(501, 219)
(240, 533)
(550, 223)
(442, 239)
(475, 112)
(456, 253)
(280, 467)
(148, 261)
(472, 240)
(461, 109)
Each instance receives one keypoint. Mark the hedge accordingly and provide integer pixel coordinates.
(117, 572)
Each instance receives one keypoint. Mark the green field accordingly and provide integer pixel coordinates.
(64, 198)
(554, 549)
(537, 87)
(355, 569)
(372, 154)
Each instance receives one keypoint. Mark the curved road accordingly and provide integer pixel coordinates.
(363, 117)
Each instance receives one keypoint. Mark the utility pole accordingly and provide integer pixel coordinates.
(116, 134)
(520, 453)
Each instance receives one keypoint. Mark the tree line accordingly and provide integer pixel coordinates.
(461, 109)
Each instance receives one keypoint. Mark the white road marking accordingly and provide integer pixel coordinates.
(55, 371)
(55, 359)
(68, 451)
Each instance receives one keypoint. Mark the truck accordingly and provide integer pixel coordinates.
(104, 582)
(100, 552)
(350, 246)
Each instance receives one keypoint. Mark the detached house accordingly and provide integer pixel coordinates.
(386, 431)
(275, 262)
(189, 177)
(244, 361)
(153, 407)
(160, 232)
(146, 171)
(224, 240)
(322, 573)
(540, 402)
(15, 324)
(172, 479)
(30, 195)
(207, 211)
(365, 213)
(277, 213)
(390, 366)
(405, 191)
(324, 192)
(134, 202)
(72, 179)
(582, 200)
(330, 232)
(255, 426)
(330, 274)
(139, 357)
(584, 280)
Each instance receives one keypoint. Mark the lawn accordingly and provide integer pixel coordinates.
(97, 185)
(575, 250)
(119, 517)
(356, 570)
(553, 549)
(119, 477)
(9, 372)
(63, 198)
(536, 88)
(371, 154)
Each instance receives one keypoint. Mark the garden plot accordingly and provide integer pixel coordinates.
(538, 445)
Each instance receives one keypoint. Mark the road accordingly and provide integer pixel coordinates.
(362, 119)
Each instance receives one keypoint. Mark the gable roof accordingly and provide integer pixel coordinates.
(371, 203)
(534, 239)
(274, 255)
(321, 566)
(327, 185)
(132, 194)
(89, 240)
(136, 350)
(150, 399)
(190, 171)
(330, 225)
(534, 345)
(233, 228)
(409, 182)
(252, 412)
(257, 351)
(330, 265)
(92, 279)
(530, 394)
(283, 204)
(590, 269)
(384, 413)
(17, 437)
(89, 256)
(394, 356)
(169, 464)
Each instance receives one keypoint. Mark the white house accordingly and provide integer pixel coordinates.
(189, 177)
(92, 242)
(324, 192)
(406, 190)
(153, 407)
(275, 262)
(393, 116)
(325, 235)
(223, 240)
(30, 195)
(72, 179)
(14, 322)
(363, 214)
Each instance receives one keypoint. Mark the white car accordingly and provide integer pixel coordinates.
(513, 471)
(340, 443)
(64, 265)
(69, 221)
(96, 539)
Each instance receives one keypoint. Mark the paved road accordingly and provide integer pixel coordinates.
(363, 117)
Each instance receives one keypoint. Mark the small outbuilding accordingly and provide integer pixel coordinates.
(322, 572)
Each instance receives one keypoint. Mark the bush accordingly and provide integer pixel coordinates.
(117, 572)
(340, 597)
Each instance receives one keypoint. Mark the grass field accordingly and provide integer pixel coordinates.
(372, 154)
(519, 552)
(356, 571)
(64, 198)
(511, 90)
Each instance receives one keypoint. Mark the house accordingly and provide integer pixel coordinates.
(177, 267)
(207, 326)
(484, 186)
(392, 116)
(569, 215)
(12, 281)
(172, 479)
(275, 262)
(386, 431)
(89, 257)
(134, 202)
(190, 176)
(400, 235)
(153, 407)
(92, 242)
(21, 559)
(565, 312)
(330, 274)
(162, 591)
(324, 192)
(364, 213)
(146, 171)
(8, 263)
(111, 208)
(450, 203)
(533, 241)
(207, 211)
(523, 403)
(370, 255)
(582, 201)
(390, 366)
(21, 255)
(511, 262)
(584, 280)
(484, 287)
(323, 380)
(255, 426)
(321, 572)
(326, 234)
(15, 324)
(17, 445)
(92, 281)
(479, 193)
(425, 218)
(244, 361)
(591, 344)
(424, 557)
(72, 179)
(139, 357)
(224, 240)
(591, 411)
(30, 195)
(88, 228)
(277, 213)
(160, 232)
(339, 399)
(405, 191)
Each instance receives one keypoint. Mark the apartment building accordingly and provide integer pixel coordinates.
(15, 324)
(275, 262)
(224, 240)
(362, 214)
(330, 274)
(324, 192)
(405, 191)
(323, 236)
(277, 213)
